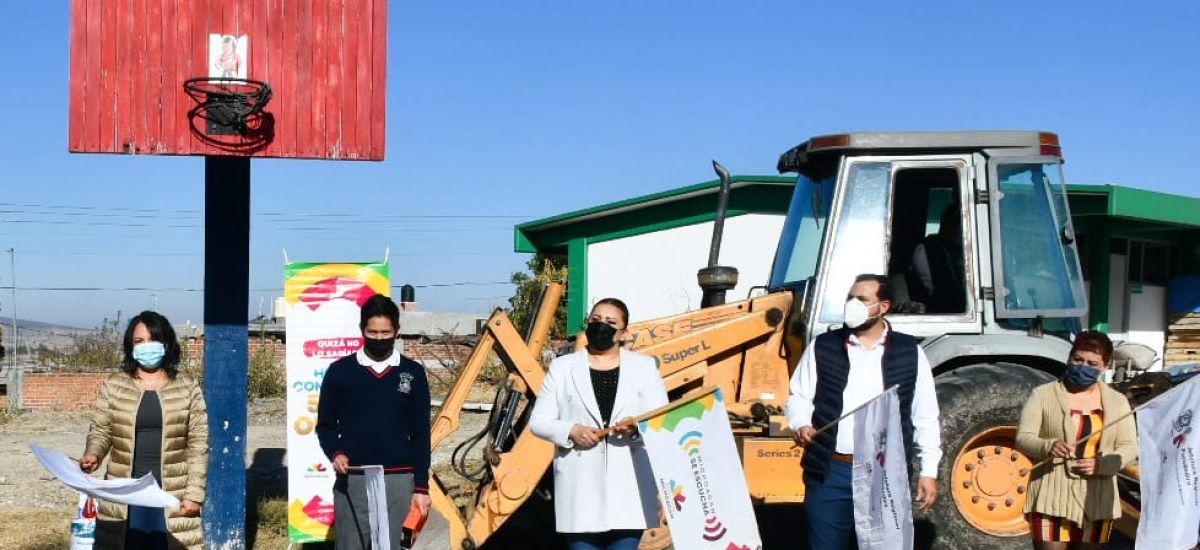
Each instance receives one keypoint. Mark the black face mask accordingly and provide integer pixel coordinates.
(379, 348)
(600, 335)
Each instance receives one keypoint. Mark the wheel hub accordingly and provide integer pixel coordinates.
(994, 475)
(989, 480)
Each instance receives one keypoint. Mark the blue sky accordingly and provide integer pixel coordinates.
(517, 110)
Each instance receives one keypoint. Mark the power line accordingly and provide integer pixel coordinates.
(396, 230)
(98, 208)
(106, 253)
(301, 220)
(110, 211)
(358, 217)
(439, 285)
(159, 253)
(395, 225)
(186, 289)
(346, 233)
(96, 214)
(99, 224)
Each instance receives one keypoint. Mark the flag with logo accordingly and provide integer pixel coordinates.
(698, 475)
(323, 302)
(882, 504)
(1168, 446)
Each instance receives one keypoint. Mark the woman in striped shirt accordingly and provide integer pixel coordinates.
(1073, 498)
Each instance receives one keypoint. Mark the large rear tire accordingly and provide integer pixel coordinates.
(982, 479)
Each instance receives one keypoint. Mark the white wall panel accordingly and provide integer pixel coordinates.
(1148, 318)
(655, 273)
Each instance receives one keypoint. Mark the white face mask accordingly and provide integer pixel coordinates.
(856, 313)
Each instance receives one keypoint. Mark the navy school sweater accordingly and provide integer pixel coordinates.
(377, 418)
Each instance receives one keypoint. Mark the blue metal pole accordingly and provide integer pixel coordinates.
(226, 301)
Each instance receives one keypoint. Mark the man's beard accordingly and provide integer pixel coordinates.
(867, 325)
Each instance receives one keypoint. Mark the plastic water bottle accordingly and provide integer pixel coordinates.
(83, 527)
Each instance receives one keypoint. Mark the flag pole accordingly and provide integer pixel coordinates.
(690, 396)
(1098, 432)
(856, 409)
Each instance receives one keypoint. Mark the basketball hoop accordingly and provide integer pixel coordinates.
(230, 107)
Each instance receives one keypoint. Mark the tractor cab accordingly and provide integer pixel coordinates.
(971, 228)
(973, 232)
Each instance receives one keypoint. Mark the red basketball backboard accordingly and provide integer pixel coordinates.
(325, 62)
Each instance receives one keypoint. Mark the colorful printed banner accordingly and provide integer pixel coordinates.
(1170, 481)
(882, 505)
(323, 302)
(699, 476)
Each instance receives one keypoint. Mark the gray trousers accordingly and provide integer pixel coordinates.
(352, 529)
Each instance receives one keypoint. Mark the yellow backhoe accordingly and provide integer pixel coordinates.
(972, 229)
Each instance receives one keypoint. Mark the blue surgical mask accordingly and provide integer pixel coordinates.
(149, 354)
(1081, 376)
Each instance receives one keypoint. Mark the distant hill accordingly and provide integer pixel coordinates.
(38, 333)
(29, 324)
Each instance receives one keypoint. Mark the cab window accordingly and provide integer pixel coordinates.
(926, 252)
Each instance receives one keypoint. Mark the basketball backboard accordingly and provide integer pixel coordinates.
(324, 63)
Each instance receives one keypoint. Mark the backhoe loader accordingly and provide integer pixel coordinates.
(974, 233)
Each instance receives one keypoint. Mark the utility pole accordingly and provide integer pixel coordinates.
(15, 379)
(12, 264)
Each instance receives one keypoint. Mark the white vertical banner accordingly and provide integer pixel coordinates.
(1168, 466)
(882, 504)
(323, 302)
(699, 477)
(377, 508)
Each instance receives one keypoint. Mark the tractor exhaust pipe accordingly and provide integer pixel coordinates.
(716, 279)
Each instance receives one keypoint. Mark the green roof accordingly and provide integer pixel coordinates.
(1134, 204)
(653, 212)
(772, 194)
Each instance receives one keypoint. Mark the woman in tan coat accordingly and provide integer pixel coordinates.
(1073, 499)
(153, 421)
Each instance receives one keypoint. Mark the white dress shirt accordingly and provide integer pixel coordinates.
(377, 366)
(863, 383)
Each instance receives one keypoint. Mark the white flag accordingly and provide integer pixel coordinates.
(143, 491)
(1168, 461)
(882, 505)
(699, 476)
(377, 508)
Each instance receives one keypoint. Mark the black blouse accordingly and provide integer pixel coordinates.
(147, 441)
(604, 385)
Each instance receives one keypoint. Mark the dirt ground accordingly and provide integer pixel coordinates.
(36, 509)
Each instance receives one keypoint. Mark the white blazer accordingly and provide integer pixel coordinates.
(609, 486)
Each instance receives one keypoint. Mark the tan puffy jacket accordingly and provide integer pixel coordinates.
(184, 453)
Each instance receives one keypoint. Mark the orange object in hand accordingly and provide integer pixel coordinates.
(415, 521)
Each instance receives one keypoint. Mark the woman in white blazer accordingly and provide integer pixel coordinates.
(604, 495)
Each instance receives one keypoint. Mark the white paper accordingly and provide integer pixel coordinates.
(1169, 448)
(137, 492)
(377, 509)
(882, 505)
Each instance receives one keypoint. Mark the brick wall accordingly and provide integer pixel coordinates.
(46, 391)
(77, 391)
(193, 349)
(426, 351)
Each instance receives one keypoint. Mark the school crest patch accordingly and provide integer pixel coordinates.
(405, 383)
